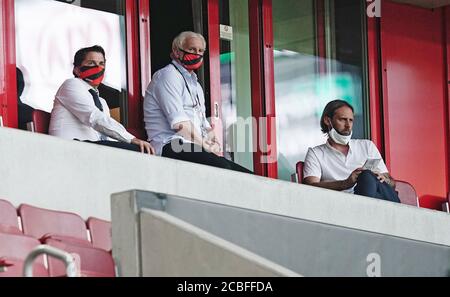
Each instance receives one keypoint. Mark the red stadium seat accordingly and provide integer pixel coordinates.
(94, 262)
(44, 223)
(40, 121)
(432, 202)
(8, 218)
(100, 233)
(299, 170)
(406, 193)
(14, 249)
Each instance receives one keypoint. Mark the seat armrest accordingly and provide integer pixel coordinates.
(445, 207)
(294, 177)
(30, 127)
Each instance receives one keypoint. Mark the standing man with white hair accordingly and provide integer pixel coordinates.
(174, 108)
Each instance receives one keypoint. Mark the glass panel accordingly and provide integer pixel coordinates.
(312, 69)
(235, 82)
(48, 33)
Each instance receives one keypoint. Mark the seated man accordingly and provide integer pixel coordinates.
(174, 108)
(337, 164)
(79, 113)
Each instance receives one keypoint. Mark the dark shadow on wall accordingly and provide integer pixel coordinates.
(104, 5)
(24, 111)
(167, 19)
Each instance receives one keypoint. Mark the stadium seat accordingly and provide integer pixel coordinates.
(44, 224)
(432, 202)
(94, 262)
(40, 121)
(14, 249)
(406, 193)
(8, 218)
(299, 170)
(100, 233)
(446, 204)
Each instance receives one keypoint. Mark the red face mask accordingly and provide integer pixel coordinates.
(92, 74)
(191, 61)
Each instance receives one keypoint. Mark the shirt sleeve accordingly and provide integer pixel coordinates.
(312, 165)
(74, 96)
(168, 94)
(374, 153)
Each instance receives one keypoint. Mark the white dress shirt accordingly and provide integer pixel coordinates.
(329, 164)
(169, 101)
(74, 115)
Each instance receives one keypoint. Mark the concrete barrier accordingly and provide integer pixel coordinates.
(309, 248)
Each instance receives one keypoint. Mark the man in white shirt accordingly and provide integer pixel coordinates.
(79, 113)
(174, 108)
(337, 164)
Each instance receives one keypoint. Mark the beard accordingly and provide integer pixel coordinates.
(345, 132)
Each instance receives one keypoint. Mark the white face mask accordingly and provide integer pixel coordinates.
(339, 138)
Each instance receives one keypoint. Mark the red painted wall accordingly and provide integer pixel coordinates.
(8, 89)
(2, 62)
(214, 67)
(375, 110)
(447, 29)
(415, 96)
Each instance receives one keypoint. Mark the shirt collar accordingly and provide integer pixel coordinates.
(87, 85)
(327, 143)
(184, 71)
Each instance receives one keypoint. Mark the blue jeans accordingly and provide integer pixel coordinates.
(369, 185)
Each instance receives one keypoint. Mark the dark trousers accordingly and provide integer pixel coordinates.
(369, 185)
(25, 115)
(190, 152)
(117, 144)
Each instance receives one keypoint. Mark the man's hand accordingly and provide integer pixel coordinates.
(380, 177)
(213, 147)
(353, 177)
(211, 144)
(144, 145)
(339, 185)
(211, 136)
(385, 178)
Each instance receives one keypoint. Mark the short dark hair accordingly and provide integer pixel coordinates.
(80, 55)
(330, 110)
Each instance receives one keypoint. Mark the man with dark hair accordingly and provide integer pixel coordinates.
(338, 164)
(79, 112)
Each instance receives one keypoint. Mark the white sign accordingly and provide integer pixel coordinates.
(48, 33)
(226, 32)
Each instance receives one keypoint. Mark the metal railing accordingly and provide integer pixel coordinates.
(67, 258)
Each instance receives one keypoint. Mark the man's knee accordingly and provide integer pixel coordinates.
(367, 184)
(366, 176)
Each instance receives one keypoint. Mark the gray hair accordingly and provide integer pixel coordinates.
(181, 38)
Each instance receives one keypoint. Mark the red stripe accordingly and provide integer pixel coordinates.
(90, 72)
(97, 81)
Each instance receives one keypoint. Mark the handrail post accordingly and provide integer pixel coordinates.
(67, 258)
